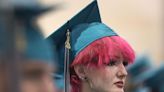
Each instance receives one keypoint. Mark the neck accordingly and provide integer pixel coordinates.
(86, 87)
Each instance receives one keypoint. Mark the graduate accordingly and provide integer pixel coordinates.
(91, 56)
(26, 58)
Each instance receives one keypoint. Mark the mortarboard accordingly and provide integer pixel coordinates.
(24, 8)
(25, 33)
(29, 42)
(75, 35)
(141, 65)
(153, 79)
(36, 47)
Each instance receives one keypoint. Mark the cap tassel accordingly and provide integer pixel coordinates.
(66, 62)
(67, 43)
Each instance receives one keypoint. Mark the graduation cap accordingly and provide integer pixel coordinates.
(75, 35)
(35, 46)
(153, 79)
(30, 43)
(141, 65)
(28, 40)
(24, 8)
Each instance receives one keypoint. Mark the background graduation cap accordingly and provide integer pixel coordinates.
(24, 8)
(29, 42)
(18, 30)
(154, 79)
(35, 46)
(141, 65)
(71, 38)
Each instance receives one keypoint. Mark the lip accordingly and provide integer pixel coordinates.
(119, 84)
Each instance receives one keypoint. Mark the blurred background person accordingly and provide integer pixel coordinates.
(26, 58)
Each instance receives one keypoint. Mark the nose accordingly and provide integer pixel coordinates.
(122, 72)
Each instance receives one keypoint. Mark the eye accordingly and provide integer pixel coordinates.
(125, 63)
(33, 75)
(112, 63)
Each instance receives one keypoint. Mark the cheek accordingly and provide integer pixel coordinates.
(110, 73)
(101, 75)
(101, 79)
(27, 86)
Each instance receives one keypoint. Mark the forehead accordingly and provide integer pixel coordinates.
(119, 56)
(34, 65)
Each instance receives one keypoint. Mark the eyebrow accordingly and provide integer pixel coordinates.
(33, 71)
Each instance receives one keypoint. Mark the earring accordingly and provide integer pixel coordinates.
(83, 78)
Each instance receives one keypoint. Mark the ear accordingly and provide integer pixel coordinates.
(79, 69)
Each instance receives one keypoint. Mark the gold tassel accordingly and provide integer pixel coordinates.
(67, 43)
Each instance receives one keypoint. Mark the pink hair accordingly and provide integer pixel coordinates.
(98, 53)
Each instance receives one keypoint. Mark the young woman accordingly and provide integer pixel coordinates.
(97, 55)
(98, 60)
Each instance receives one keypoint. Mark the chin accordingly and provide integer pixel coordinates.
(118, 90)
(115, 90)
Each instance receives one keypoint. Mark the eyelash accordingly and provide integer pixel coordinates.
(125, 63)
(112, 63)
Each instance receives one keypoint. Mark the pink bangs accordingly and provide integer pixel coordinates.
(103, 50)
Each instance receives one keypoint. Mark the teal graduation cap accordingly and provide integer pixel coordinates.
(36, 48)
(29, 39)
(75, 35)
(141, 65)
(153, 79)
